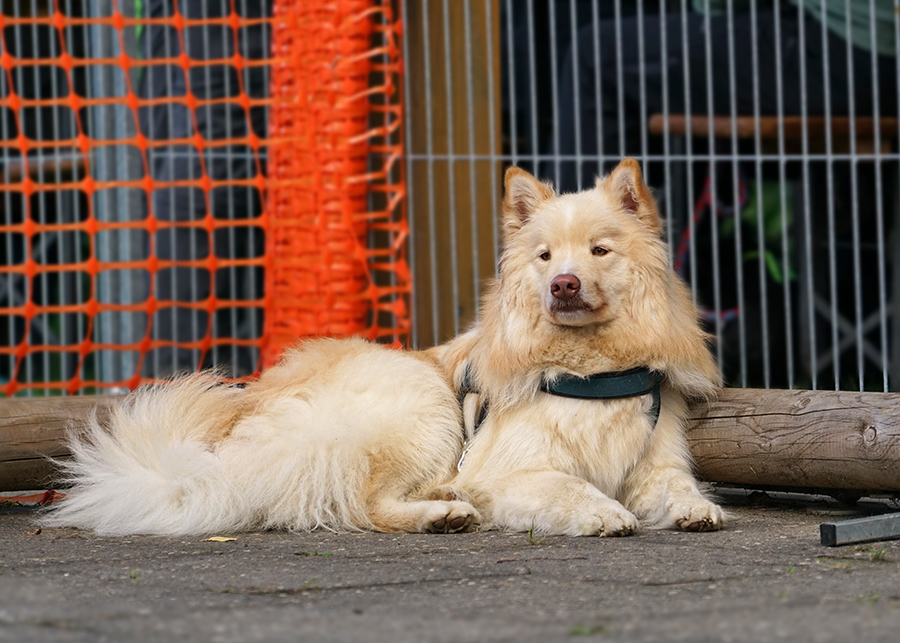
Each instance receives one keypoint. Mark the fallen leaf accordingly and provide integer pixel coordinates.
(220, 539)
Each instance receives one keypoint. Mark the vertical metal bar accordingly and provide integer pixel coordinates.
(11, 278)
(854, 211)
(832, 242)
(511, 85)
(620, 79)
(760, 220)
(130, 167)
(667, 146)
(62, 212)
(470, 118)
(206, 164)
(255, 293)
(172, 154)
(879, 204)
(554, 91)
(736, 201)
(489, 27)
(96, 46)
(895, 233)
(429, 153)
(29, 363)
(46, 243)
(451, 169)
(254, 286)
(642, 76)
(783, 206)
(532, 76)
(714, 198)
(410, 180)
(152, 72)
(807, 214)
(598, 89)
(689, 149)
(576, 102)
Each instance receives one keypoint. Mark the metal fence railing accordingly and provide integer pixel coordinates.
(134, 142)
(767, 128)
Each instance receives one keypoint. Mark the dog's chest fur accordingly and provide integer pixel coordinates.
(596, 440)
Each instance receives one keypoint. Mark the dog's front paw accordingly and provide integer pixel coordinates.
(609, 519)
(451, 517)
(697, 514)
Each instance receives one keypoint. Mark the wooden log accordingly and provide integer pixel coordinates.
(815, 440)
(837, 440)
(33, 430)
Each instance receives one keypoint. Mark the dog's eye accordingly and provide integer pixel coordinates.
(545, 256)
(600, 251)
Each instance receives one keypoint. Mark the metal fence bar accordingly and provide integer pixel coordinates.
(879, 207)
(554, 94)
(429, 151)
(760, 227)
(854, 212)
(832, 242)
(470, 131)
(492, 129)
(840, 320)
(668, 174)
(713, 186)
(736, 205)
(598, 85)
(807, 214)
(410, 186)
(642, 75)
(532, 89)
(451, 173)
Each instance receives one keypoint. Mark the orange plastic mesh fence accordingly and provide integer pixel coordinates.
(333, 187)
(187, 183)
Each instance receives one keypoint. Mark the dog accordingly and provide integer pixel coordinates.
(344, 435)
(560, 411)
(587, 349)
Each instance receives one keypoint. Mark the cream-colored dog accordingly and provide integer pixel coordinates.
(584, 289)
(343, 434)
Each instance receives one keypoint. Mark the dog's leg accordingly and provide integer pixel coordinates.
(555, 503)
(391, 513)
(662, 491)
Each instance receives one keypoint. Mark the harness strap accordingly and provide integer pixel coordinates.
(600, 386)
(610, 386)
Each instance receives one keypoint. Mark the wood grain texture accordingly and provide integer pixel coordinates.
(806, 439)
(34, 429)
(834, 440)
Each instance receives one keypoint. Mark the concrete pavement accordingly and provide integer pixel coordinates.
(765, 578)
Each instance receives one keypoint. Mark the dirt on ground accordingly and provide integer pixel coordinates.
(765, 578)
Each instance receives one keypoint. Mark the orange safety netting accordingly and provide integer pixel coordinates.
(186, 187)
(335, 183)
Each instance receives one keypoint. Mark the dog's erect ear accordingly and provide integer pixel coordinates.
(523, 196)
(626, 183)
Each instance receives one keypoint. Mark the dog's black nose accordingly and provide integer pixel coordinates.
(565, 287)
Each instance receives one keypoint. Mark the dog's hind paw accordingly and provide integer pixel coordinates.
(451, 517)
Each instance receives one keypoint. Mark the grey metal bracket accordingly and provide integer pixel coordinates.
(858, 530)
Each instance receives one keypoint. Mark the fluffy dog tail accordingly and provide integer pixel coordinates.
(150, 466)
